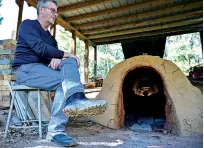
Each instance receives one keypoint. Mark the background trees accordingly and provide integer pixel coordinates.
(183, 50)
(1, 18)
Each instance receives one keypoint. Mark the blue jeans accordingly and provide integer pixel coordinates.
(65, 80)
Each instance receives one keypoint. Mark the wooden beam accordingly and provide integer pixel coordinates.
(86, 61)
(73, 43)
(32, 3)
(17, 2)
(20, 13)
(170, 25)
(201, 39)
(53, 30)
(141, 15)
(148, 22)
(118, 10)
(64, 24)
(82, 5)
(150, 33)
(95, 60)
(149, 37)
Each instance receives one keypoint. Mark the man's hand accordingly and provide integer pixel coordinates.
(68, 55)
(54, 64)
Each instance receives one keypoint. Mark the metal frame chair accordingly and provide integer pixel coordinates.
(27, 122)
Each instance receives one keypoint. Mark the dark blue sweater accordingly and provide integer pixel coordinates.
(34, 45)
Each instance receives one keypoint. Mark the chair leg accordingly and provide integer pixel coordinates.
(26, 106)
(9, 115)
(39, 116)
(50, 101)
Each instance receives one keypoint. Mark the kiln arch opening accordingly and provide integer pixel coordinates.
(143, 97)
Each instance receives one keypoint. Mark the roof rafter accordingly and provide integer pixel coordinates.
(170, 25)
(142, 23)
(141, 15)
(118, 10)
(82, 5)
(149, 33)
(149, 37)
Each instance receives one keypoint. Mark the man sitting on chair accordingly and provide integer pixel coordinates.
(38, 63)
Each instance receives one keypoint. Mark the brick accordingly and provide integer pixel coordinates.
(1, 47)
(3, 82)
(5, 67)
(4, 104)
(5, 93)
(7, 51)
(4, 88)
(8, 41)
(9, 46)
(7, 77)
(5, 56)
(5, 72)
(6, 98)
(5, 61)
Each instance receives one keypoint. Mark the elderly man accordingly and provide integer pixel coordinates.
(39, 63)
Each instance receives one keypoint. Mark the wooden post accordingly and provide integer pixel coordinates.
(73, 42)
(20, 3)
(201, 40)
(53, 30)
(95, 60)
(86, 61)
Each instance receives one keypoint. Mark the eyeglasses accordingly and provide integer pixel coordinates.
(54, 12)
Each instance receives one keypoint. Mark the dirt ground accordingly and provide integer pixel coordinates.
(92, 135)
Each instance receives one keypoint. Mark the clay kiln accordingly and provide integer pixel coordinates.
(179, 102)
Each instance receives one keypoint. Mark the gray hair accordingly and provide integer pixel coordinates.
(43, 3)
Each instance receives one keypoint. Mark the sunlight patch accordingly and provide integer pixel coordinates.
(116, 143)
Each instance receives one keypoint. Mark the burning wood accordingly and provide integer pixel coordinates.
(145, 89)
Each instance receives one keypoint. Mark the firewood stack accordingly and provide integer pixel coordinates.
(94, 82)
(7, 48)
(98, 80)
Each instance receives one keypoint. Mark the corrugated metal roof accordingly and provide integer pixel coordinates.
(96, 19)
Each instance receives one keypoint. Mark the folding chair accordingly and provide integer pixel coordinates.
(26, 123)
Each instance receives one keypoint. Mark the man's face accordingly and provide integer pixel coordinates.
(49, 12)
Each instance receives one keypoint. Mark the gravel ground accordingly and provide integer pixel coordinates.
(92, 135)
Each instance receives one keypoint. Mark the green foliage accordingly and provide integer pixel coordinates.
(184, 50)
(108, 56)
(63, 38)
(80, 49)
(1, 18)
